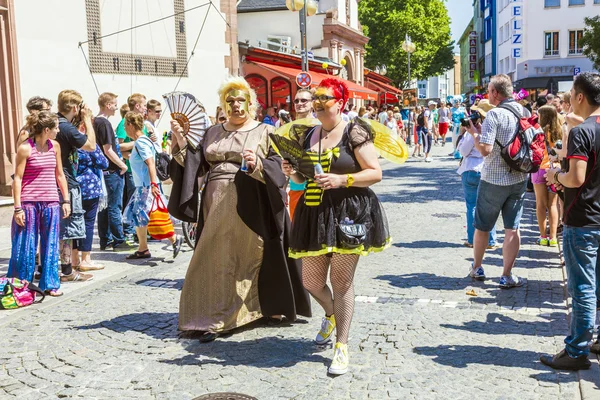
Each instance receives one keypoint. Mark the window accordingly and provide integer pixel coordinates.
(259, 84)
(501, 34)
(488, 29)
(551, 44)
(501, 67)
(575, 46)
(577, 2)
(506, 65)
(280, 92)
(513, 64)
(488, 64)
(551, 3)
(596, 1)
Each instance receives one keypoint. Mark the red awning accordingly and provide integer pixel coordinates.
(380, 86)
(356, 91)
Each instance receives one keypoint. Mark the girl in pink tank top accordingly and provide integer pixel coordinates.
(38, 176)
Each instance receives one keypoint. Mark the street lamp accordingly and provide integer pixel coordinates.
(381, 70)
(409, 47)
(306, 8)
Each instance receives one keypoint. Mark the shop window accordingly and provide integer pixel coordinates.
(575, 46)
(259, 84)
(281, 91)
(551, 44)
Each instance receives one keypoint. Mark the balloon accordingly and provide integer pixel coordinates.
(343, 62)
(325, 65)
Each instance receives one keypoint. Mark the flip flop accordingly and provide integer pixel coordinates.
(86, 268)
(139, 254)
(53, 293)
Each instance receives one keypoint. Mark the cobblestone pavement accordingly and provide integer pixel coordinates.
(416, 334)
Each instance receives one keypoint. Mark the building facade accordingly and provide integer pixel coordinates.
(549, 48)
(442, 86)
(96, 46)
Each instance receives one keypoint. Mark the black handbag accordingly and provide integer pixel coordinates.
(351, 235)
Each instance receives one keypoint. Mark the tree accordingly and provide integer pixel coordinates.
(427, 23)
(591, 40)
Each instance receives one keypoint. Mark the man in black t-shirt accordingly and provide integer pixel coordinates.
(72, 113)
(110, 220)
(581, 233)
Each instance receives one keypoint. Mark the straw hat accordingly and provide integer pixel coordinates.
(483, 107)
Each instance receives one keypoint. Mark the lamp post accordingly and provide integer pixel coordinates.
(306, 8)
(409, 47)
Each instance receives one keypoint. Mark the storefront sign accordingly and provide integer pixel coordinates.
(472, 54)
(555, 70)
(517, 28)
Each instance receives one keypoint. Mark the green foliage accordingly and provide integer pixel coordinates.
(425, 21)
(591, 40)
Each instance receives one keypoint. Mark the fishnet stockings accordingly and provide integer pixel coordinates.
(341, 303)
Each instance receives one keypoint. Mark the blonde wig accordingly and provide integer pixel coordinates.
(238, 83)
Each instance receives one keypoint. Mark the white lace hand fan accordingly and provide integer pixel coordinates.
(189, 113)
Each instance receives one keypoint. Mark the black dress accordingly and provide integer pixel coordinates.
(314, 229)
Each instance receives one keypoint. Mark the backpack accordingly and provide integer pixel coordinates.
(16, 293)
(525, 151)
(421, 119)
(161, 161)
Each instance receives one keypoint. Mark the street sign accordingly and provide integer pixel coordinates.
(576, 71)
(303, 79)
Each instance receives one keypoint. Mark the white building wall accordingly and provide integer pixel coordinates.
(505, 63)
(50, 59)
(252, 27)
(536, 21)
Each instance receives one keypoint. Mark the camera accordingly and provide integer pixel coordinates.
(474, 117)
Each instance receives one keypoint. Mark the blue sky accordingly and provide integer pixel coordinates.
(461, 12)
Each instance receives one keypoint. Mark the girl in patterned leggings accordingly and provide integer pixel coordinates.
(38, 172)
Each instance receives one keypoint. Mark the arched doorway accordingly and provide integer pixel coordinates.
(349, 68)
(259, 84)
(281, 92)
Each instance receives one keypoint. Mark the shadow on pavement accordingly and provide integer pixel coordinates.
(460, 356)
(428, 244)
(431, 281)
(266, 352)
(499, 324)
(154, 324)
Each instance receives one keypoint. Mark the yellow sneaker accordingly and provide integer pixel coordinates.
(327, 327)
(553, 243)
(339, 365)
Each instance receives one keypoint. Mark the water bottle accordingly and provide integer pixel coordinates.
(244, 167)
(319, 169)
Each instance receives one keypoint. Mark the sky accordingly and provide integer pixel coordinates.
(460, 12)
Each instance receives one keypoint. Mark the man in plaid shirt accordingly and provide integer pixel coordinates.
(501, 189)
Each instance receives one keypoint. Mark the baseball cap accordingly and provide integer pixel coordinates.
(283, 112)
(431, 103)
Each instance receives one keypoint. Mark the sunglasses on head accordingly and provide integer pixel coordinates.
(303, 101)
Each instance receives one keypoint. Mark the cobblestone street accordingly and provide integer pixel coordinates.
(416, 333)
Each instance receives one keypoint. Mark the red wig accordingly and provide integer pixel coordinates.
(339, 89)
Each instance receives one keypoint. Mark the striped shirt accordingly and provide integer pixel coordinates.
(39, 179)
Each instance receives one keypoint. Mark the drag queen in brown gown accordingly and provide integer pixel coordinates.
(240, 270)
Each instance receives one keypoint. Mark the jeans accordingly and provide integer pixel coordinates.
(127, 193)
(470, 182)
(581, 247)
(90, 206)
(110, 220)
(42, 223)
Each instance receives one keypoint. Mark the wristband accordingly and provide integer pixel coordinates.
(154, 184)
(350, 180)
(66, 202)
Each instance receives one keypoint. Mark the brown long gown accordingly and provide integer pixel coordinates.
(220, 292)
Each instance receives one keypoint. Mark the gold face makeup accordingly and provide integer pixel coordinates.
(237, 96)
(323, 99)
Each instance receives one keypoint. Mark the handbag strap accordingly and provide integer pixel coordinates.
(37, 290)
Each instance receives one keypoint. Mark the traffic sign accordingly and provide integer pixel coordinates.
(303, 79)
(576, 71)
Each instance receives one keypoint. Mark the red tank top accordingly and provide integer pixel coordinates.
(39, 179)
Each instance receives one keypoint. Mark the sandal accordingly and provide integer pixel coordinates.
(88, 267)
(139, 254)
(76, 276)
(53, 293)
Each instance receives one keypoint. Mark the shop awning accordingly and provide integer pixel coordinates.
(356, 91)
(388, 93)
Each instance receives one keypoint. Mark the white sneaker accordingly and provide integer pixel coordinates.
(339, 365)
(327, 328)
(428, 159)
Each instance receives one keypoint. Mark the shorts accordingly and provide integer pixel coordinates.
(538, 178)
(73, 227)
(421, 133)
(443, 128)
(405, 122)
(493, 199)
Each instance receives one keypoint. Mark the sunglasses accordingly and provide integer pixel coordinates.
(158, 111)
(303, 101)
(323, 98)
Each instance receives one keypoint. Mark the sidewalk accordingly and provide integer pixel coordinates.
(416, 334)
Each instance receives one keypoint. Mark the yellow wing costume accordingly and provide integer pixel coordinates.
(386, 143)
